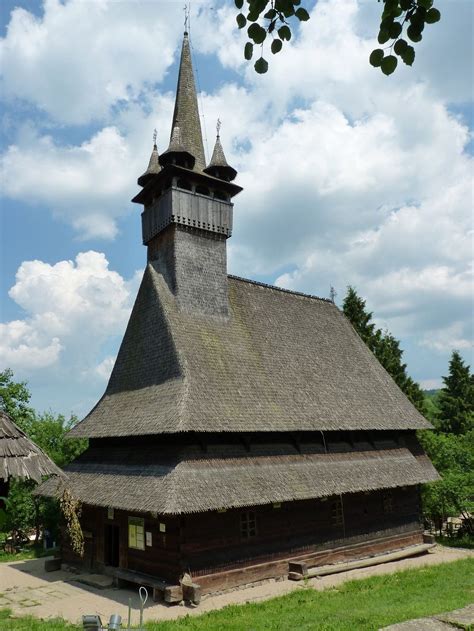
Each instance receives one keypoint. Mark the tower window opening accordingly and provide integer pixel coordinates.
(203, 190)
(184, 184)
(221, 195)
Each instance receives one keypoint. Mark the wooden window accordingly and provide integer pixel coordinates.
(248, 524)
(136, 533)
(337, 516)
(387, 503)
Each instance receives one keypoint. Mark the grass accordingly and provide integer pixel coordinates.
(364, 605)
(466, 542)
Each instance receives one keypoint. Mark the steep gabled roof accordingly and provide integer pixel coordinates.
(281, 362)
(20, 458)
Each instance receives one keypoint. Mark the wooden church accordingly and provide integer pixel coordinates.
(244, 427)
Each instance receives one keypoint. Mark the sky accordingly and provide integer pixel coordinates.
(350, 177)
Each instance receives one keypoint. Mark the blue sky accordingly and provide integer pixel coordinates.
(350, 177)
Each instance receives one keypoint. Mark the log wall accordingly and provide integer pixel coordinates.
(212, 548)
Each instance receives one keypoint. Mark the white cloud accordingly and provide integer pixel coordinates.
(105, 367)
(82, 58)
(72, 309)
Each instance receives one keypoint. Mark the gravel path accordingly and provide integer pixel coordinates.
(27, 589)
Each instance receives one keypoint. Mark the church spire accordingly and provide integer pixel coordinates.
(153, 165)
(186, 112)
(218, 166)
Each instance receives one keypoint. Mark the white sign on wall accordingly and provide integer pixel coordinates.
(148, 538)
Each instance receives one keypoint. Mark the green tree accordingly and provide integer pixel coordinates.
(453, 495)
(276, 20)
(48, 431)
(15, 398)
(354, 309)
(456, 399)
(384, 346)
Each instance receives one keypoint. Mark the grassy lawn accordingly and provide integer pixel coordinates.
(366, 605)
(467, 541)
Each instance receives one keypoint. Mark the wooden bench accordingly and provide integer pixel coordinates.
(161, 589)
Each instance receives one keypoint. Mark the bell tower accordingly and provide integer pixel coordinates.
(187, 216)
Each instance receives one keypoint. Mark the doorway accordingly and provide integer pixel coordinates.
(112, 545)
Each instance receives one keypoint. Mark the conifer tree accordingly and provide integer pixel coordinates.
(361, 319)
(456, 399)
(384, 346)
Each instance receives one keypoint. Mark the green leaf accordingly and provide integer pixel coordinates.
(408, 55)
(261, 66)
(383, 36)
(239, 3)
(389, 64)
(394, 30)
(376, 57)
(405, 4)
(284, 33)
(390, 6)
(248, 51)
(253, 16)
(414, 34)
(277, 45)
(302, 15)
(269, 15)
(432, 16)
(426, 4)
(241, 20)
(400, 47)
(257, 33)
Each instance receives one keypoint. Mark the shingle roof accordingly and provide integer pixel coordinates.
(281, 362)
(186, 113)
(153, 167)
(19, 456)
(218, 166)
(187, 481)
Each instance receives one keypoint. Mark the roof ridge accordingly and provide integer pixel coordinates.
(287, 291)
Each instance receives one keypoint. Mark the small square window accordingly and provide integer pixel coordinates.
(337, 516)
(248, 524)
(136, 533)
(387, 503)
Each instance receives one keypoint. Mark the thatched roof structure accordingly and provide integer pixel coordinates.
(282, 362)
(177, 479)
(19, 456)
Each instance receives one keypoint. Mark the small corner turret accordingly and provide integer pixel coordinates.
(153, 165)
(188, 211)
(218, 166)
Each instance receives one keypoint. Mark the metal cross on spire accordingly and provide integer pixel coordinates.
(154, 137)
(218, 126)
(186, 10)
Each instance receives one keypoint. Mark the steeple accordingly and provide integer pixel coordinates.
(218, 166)
(186, 112)
(188, 210)
(153, 165)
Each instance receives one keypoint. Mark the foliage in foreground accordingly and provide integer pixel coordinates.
(24, 512)
(277, 19)
(365, 605)
(451, 448)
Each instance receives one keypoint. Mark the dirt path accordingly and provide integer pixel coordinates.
(27, 589)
